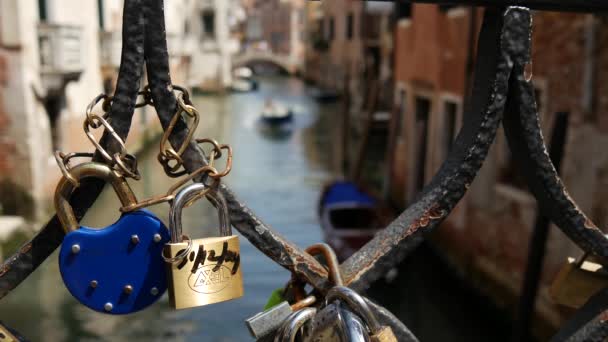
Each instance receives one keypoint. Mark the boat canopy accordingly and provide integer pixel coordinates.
(342, 192)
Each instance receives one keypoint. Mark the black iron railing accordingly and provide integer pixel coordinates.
(499, 87)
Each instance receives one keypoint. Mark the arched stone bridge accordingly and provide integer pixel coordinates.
(283, 61)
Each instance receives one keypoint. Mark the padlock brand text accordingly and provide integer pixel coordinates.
(207, 280)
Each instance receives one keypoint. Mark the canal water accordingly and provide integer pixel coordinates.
(279, 174)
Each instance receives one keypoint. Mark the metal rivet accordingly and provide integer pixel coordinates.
(75, 249)
(128, 289)
(134, 239)
(154, 291)
(108, 306)
(157, 237)
(93, 283)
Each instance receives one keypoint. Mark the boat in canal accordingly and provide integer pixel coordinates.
(350, 217)
(243, 85)
(275, 113)
(243, 81)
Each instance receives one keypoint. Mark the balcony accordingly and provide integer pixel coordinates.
(110, 48)
(60, 50)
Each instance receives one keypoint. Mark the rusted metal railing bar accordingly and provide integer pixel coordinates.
(522, 128)
(590, 6)
(549, 5)
(19, 266)
(504, 40)
(588, 323)
(538, 242)
(242, 218)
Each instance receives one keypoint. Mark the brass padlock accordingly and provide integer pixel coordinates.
(577, 281)
(6, 335)
(202, 271)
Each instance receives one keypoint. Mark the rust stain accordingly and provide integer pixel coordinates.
(433, 213)
(26, 248)
(309, 262)
(589, 224)
(4, 269)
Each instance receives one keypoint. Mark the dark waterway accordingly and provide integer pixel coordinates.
(277, 173)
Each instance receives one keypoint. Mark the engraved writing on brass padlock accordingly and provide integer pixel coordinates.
(202, 271)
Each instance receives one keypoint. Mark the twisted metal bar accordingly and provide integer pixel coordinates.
(590, 6)
(20, 265)
(504, 40)
(588, 323)
(503, 50)
(523, 132)
(242, 218)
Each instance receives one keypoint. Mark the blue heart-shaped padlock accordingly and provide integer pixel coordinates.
(118, 269)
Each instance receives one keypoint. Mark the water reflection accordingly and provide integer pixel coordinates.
(277, 173)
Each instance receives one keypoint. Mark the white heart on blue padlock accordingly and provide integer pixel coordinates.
(118, 269)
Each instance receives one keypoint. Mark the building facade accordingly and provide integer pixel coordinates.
(55, 57)
(275, 33)
(211, 39)
(349, 39)
(488, 234)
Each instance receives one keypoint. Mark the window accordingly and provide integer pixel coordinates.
(403, 10)
(450, 111)
(423, 109)
(42, 10)
(509, 172)
(350, 25)
(208, 21)
(100, 13)
(321, 27)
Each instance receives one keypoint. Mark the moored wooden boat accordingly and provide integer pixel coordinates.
(349, 217)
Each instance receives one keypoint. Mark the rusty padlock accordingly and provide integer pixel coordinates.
(202, 271)
(577, 281)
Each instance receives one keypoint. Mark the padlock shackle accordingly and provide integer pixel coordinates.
(185, 197)
(64, 190)
(331, 260)
(293, 323)
(356, 303)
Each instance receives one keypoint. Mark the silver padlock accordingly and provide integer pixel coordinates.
(348, 317)
(294, 323)
(335, 322)
(268, 321)
(356, 303)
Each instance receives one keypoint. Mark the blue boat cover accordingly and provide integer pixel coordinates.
(341, 192)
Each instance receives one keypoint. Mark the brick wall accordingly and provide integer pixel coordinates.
(491, 243)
